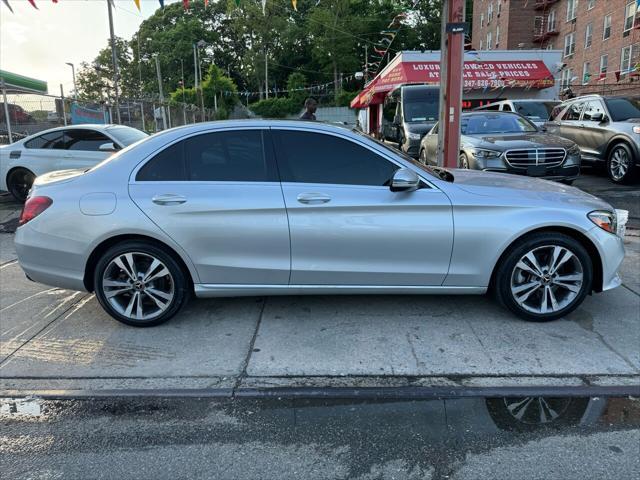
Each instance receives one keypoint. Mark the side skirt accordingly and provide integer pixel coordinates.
(228, 290)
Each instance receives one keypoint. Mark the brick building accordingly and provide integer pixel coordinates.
(599, 39)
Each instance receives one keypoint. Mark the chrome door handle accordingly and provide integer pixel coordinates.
(313, 198)
(168, 199)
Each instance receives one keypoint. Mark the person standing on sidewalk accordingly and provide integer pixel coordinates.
(310, 105)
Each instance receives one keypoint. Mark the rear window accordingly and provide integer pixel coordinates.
(541, 110)
(623, 108)
(126, 135)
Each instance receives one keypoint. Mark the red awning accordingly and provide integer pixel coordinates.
(477, 76)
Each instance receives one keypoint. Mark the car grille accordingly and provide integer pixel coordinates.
(524, 158)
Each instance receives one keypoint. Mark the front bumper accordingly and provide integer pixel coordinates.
(554, 173)
(611, 250)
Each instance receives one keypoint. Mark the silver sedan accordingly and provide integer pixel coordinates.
(279, 208)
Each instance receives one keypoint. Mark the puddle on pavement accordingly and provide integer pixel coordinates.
(22, 408)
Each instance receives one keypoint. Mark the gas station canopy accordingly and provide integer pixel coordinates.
(14, 83)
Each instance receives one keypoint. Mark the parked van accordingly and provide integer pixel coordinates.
(409, 112)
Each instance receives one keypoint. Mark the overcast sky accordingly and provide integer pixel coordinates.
(37, 43)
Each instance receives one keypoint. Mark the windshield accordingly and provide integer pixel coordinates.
(127, 135)
(421, 111)
(540, 110)
(437, 172)
(623, 108)
(495, 123)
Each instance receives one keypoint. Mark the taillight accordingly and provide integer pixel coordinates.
(33, 207)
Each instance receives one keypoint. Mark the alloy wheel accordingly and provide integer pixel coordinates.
(536, 410)
(547, 279)
(619, 163)
(138, 285)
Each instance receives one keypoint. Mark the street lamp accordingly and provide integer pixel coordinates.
(75, 87)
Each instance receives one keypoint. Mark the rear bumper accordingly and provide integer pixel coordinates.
(45, 260)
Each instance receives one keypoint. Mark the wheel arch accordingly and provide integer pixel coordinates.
(589, 246)
(103, 246)
(618, 139)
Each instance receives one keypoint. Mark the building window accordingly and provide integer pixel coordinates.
(481, 44)
(550, 46)
(588, 35)
(604, 64)
(569, 44)
(606, 32)
(497, 36)
(591, 4)
(490, 12)
(572, 7)
(565, 78)
(629, 13)
(481, 20)
(551, 21)
(499, 7)
(488, 40)
(625, 60)
(586, 74)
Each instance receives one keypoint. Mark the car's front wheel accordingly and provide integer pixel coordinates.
(19, 182)
(544, 276)
(140, 284)
(620, 164)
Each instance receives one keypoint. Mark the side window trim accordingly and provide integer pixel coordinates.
(269, 154)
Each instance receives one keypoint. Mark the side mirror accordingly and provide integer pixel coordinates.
(405, 180)
(107, 147)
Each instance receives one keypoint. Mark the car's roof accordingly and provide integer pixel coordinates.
(473, 113)
(257, 123)
(596, 95)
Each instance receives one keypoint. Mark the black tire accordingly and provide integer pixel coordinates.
(19, 182)
(506, 269)
(527, 414)
(422, 157)
(621, 151)
(178, 278)
(463, 161)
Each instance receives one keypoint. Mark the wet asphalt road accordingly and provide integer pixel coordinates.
(314, 439)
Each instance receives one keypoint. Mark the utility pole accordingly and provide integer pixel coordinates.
(451, 80)
(266, 74)
(75, 86)
(366, 63)
(114, 59)
(164, 115)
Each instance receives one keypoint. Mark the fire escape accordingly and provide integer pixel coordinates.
(544, 27)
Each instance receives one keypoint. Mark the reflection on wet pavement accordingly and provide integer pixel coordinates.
(528, 437)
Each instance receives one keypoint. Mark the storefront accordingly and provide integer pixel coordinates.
(489, 76)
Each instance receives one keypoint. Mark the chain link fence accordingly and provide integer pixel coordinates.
(32, 113)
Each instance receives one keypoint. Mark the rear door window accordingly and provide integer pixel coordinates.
(573, 112)
(51, 140)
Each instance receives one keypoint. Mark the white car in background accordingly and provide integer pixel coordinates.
(63, 148)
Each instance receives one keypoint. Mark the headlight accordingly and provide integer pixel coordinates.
(414, 136)
(636, 129)
(575, 150)
(605, 220)
(486, 154)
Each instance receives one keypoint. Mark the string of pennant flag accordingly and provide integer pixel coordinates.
(185, 4)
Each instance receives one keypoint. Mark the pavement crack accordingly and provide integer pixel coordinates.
(245, 363)
(484, 349)
(631, 289)
(413, 352)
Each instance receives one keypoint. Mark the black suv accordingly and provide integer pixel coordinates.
(607, 130)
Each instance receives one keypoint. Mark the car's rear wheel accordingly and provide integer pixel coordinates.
(620, 164)
(544, 276)
(140, 284)
(19, 182)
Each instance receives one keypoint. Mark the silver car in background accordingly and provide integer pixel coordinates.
(279, 208)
